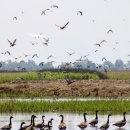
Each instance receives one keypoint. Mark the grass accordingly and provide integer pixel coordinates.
(104, 106)
(9, 77)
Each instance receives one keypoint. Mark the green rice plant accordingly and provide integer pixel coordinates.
(104, 106)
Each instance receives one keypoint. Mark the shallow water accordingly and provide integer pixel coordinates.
(72, 120)
(59, 99)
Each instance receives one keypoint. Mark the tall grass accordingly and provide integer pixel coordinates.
(47, 75)
(115, 106)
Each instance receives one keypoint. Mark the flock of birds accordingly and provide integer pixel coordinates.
(62, 125)
(66, 64)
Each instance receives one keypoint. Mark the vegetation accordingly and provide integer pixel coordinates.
(104, 106)
(47, 75)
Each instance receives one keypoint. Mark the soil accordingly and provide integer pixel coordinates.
(79, 88)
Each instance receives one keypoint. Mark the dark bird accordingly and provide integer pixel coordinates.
(96, 50)
(103, 58)
(121, 122)
(16, 57)
(43, 12)
(15, 18)
(69, 81)
(21, 126)
(22, 61)
(103, 41)
(34, 55)
(84, 124)
(109, 31)
(62, 125)
(54, 6)
(79, 59)
(80, 13)
(49, 56)
(41, 63)
(95, 121)
(12, 44)
(105, 125)
(45, 43)
(97, 44)
(62, 27)
(7, 52)
(47, 40)
(8, 126)
(23, 69)
(70, 53)
(26, 55)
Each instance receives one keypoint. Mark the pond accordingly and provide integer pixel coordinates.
(72, 120)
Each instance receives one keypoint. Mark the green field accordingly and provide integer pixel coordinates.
(104, 106)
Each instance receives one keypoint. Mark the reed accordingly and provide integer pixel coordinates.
(104, 106)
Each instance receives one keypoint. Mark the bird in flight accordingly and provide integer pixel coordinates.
(12, 44)
(103, 58)
(80, 12)
(15, 18)
(96, 50)
(54, 6)
(7, 52)
(34, 55)
(97, 44)
(103, 41)
(26, 55)
(62, 27)
(79, 59)
(70, 53)
(45, 43)
(50, 56)
(109, 31)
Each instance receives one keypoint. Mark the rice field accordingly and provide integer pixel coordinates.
(104, 106)
(47, 75)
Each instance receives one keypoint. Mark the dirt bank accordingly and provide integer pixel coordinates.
(80, 88)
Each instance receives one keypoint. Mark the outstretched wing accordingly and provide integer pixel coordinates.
(14, 41)
(66, 24)
(9, 42)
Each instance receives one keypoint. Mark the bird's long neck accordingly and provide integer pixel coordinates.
(31, 120)
(108, 120)
(21, 126)
(48, 124)
(124, 117)
(33, 123)
(43, 119)
(62, 119)
(96, 115)
(85, 118)
(10, 121)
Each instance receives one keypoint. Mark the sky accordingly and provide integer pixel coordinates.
(79, 36)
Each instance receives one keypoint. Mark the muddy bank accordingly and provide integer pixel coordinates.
(80, 88)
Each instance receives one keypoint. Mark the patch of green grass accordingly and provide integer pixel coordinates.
(105, 106)
(9, 77)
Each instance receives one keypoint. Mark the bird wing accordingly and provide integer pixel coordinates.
(6, 126)
(14, 41)
(57, 26)
(66, 24)
(95, 120)
(119, 123)
(9, 42)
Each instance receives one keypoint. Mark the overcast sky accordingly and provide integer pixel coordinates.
(79, 36)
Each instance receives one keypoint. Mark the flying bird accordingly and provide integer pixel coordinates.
(109, 31)
(15, 18)
(62, 27)
(55, 6)
(97, 44)
(26, 55)
(103, 58)
(7, 52)
(37, 36)
(34, 55)
(103, 41)
(46, 39)
(70, 53)
(45, 43)
(50, 56)
(79, 59)
(41, 63)
(96, 50)
(80, 12)
(12, 44)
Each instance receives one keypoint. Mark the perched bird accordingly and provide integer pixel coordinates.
(80, 13)
(109, 31)
(34, 55)
(84, 124)
(15, 18)
(122, 122)
(62, 27)
(70, 53)
(105, 125)
(21, 126)
(95, 121)
(62, 125)
(12, 44)
(8, 126)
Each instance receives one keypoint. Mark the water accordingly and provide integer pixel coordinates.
(72, 120)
